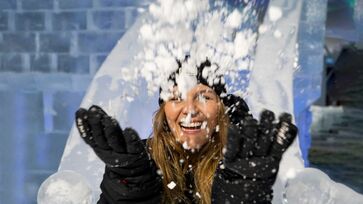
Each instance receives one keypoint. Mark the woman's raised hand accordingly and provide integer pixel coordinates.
(255, 149)
(114, 146)
(129, 174)
(252, 155)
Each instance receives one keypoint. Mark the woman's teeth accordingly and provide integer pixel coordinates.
(191, 125)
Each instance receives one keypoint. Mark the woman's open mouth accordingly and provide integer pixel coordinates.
(191, 128)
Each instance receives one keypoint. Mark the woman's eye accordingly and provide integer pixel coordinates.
(175, 99)
(203, 97)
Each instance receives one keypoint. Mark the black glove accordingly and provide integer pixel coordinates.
(252, 157)
(130, 174)
(236, 109)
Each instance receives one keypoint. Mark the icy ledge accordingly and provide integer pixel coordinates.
(312, 186)
(309, 186)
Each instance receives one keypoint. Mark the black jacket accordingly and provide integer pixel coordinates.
(228, 187)
(245, 175)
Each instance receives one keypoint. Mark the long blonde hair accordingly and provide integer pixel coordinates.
(174, 161)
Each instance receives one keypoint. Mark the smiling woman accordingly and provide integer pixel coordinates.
(205, 147)
(195, 129)
(194, 119)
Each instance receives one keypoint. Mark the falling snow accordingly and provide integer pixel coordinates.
(204, 124)
(171, 34)
(185, 145)
(171, 185)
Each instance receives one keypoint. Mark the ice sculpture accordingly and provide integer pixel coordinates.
(274, 60)
(309, 70)
(65, 187)
(312, 186)
(105, 92)
(276, 53)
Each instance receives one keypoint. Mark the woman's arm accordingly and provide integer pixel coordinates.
(130, 175)
(252, 157)
(143, 189)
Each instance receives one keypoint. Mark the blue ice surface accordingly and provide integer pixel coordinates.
(35, 120)
(308, 77)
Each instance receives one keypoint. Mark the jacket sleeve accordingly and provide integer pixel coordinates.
(143, 188)
(229, 187)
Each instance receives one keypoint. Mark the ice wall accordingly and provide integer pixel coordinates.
(308, 75)
(107, 91)
(275, 54)
(312, 186)
(271, 86)
(271, 79)
(358, 19)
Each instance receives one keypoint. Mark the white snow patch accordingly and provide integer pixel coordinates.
(277, 34)
(274, 13)
(171, 185)
(234, 19)
(65, 187)
(224, 150)
(204, 124)
(252, 164)
(194, 29)
(185, 145)
(313, 186)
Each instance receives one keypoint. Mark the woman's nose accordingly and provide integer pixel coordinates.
(190, 108)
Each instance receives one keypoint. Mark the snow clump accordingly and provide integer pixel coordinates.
(198, 29)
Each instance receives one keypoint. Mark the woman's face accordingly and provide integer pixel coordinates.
(194, 119)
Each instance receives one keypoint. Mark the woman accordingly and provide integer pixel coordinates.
(205, 148)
